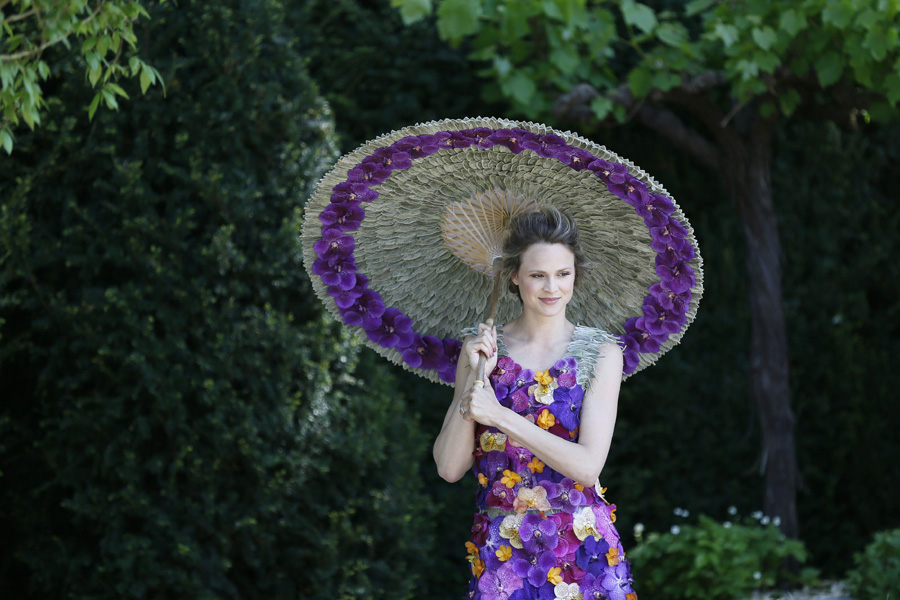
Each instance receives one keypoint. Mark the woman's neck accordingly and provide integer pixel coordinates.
(528, 328)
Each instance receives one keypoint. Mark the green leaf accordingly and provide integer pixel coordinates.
(412, 10)
(792, 22)
(789, 101)
(639, 15)
(551, 9)
(565, 59)
(666, 81)
(520, 87)
(601, 105)
(43, 69)
(879, 41)
(697, 6)
(94, 75)
(892, 88)
(727, 33)
(117, 89)
(829, 67)
(458, 18)
(765, 37)
(502, 66)
(6, 140)
(640, 82)
(837, 13)
(145, 81)
(109, 98)
(672, 34)
(747, 68)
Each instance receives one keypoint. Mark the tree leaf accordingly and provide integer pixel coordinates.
(829, 67)
(565, 59)
(837, 13)
(145, 81)
(672, 34)
(792, 22)
(789, 100)
(458, 18)
(519, 87)
(551, 9)
(765, 37)
(93, 107)
(639, 15)
(697, 6)
(892, 88)
(601, 105)
(727, 33)
(6, 140)
(640, 82)
(412, 10)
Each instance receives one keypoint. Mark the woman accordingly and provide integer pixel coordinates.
(541, 432)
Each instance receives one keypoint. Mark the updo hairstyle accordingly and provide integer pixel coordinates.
(548, 225)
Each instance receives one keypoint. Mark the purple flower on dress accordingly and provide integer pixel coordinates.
(349, 192)
(592, 588)
(394, 330)
(370, 173)
(665, 233)
(425, 352)
(568, 541)
(591, 555)
(538, 535)
(547, 145)
(339, 272)
(500, 495)
(566, 406)
(480, 529)
(603, 521)
(519, 401)
(499, 585)
(495, 464)
(344, 217)
(457, 139)
(525, 377)
(656, 211)
(390, 158)
(576, 158)
(366, 311)
(616, 581)
(564, 496)
(630, 356)
(632, 190)
(609, 173)
(334, 245)
(428, 144)
(564, 371)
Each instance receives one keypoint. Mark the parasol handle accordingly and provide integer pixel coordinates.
(495, 298)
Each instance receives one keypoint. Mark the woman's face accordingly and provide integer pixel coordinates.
(546, 278)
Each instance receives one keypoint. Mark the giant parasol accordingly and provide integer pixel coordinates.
(401, 236)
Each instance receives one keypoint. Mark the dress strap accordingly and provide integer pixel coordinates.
(585, 348)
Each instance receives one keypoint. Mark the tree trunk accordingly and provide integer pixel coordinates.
(746, 172)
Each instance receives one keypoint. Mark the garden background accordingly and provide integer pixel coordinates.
(179, 418)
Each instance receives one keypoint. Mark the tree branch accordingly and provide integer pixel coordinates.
(575, 105)
(45, 45)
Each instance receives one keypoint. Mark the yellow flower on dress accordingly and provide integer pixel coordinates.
(543, 377)
(612, 557)
(584, 523)
(546, 420)
(554, 576)
(631, 596)
(510, 478)
(493, 441)
(536, 465)
(478, 568)
(482, 479)
(612, 515)
(472, 549)
(504, 553)
(531, 498)
(509, 529)
(578, 486)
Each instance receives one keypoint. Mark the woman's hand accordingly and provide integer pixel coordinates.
(480, 404)
(484, 343)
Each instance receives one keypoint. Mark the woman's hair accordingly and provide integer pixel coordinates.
(548, 225)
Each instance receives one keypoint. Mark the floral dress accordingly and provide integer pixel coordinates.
(537, 534)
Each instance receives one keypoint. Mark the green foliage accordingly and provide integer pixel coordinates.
(762, 49)
(178, 420)
(876, 574)
(101, 31)
(712, 560)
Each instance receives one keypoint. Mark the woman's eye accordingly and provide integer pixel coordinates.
(536, 275)
(565, 274)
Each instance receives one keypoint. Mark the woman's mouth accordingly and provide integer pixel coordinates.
(549, 300)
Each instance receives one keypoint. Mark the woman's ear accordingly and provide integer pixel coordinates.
(514, 278)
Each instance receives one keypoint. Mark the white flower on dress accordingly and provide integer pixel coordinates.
(585, 523)
(567, 591)
(509, 529)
